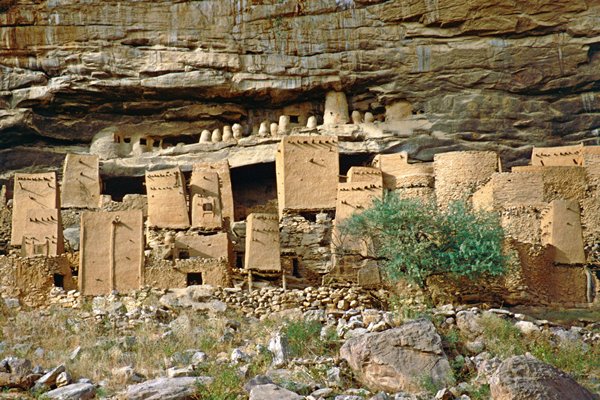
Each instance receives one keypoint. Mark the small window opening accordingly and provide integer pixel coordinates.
(207, 207)
(183, 254)
(194, 278)
(59, 280)
(143, 141)
(239, 261)
(294, 119)
(296, 267)
(126, 140)
(309, 216)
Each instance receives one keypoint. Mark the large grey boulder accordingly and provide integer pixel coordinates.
(75, 391)
(49, 379)
(272, 392)
(279, 346)
(527, 378)
(399, 359)
(165, 388)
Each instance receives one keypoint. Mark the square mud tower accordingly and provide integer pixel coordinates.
(509, 189)
(81, 181)
(112, 252)
(307, 169)
(564, 156)
(167, 206)
(352, 198)
(43, 233)
(408, 180)
(206, 188)
(368, 175)
(32, 191)
(561, 228)
(459, 174)
(560, 183)
(206, 200)
(262, 243)
(203, 246)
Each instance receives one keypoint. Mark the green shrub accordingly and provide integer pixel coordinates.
(304, 339)
(417, 240)
(226, 385)
(502, 338)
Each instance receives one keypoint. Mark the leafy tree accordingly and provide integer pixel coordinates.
(417, 240)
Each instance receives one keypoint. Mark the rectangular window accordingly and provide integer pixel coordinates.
(59, 280)
(194, 278)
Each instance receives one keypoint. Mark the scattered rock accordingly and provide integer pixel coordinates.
(399, 358)
(49, 379)
(272, 392)
(526, 378)
(63, 379)
(75, 391)
(526, 327)
(165, 388)
(257, 380)
(278, 345)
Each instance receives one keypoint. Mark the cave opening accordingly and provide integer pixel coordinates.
(117, 187)
(172, 141)
(355, 160)
(254, 189)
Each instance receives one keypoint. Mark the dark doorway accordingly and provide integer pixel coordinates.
(194, 278)
(254, 189)
(59, 280)
(296, 267)
(117, 187)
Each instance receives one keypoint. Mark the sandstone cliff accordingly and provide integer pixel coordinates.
(485, 74)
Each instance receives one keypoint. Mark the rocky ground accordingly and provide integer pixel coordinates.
(205, 343)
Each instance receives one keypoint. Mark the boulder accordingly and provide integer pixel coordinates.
(49, 379)
(272, 392)
(76, 391)
(278, 345)
(165, 388)
(17, 381)
(527, 378)
(398, 359)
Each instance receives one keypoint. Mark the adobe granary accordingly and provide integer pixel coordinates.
(262, 245)
(206, 204)
(112, 252)
(336, 109)
(364, 185)
(81, 181)
(213, 181)
(43, 234)
(307, 169)
(195, 259)
(350, 255)
(167, 206)
(550, 215)
(34, 192)
(459, 174)
(408, 180)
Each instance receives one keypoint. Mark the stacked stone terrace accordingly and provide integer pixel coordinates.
(183, 233)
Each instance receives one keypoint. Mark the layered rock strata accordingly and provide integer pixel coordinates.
(485, 74)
